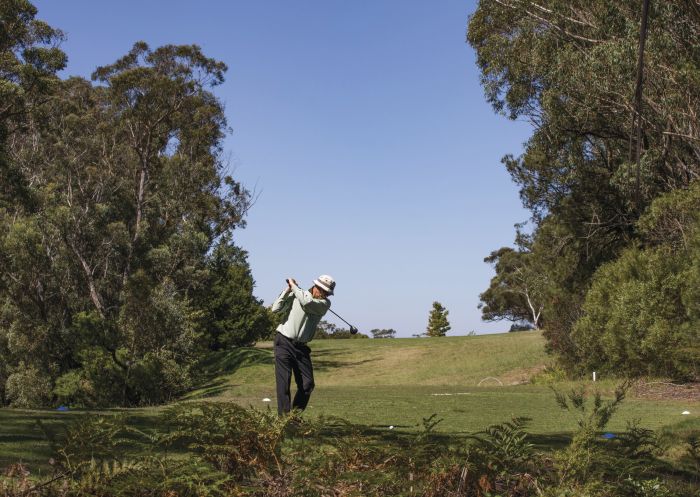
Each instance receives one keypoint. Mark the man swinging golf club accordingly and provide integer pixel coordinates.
(292, 354)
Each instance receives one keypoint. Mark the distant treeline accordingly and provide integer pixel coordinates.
(117, 266)
(609, 265)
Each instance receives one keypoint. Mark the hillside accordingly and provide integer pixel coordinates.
(447, 361)
(469, 382)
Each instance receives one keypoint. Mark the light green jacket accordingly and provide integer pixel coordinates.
(304, 316)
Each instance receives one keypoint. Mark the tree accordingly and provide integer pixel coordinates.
(516, 291)
(106, 272)
(570, 69)
(383, 333)
(29, 61)
(438, 325)
(326, 330)
(642, 313)
(232, 316)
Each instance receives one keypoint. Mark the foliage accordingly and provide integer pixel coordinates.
(438, 325)
(326, 330)
(636, 320)
(517, 291)
(28, 388)
(583, 460)
(641, 313)
(224, 449)
(550, 374)
(105, 455)
(502, 456)
(243, 443)
(117, 266)
(383, 333)
(620, 465)
(570, 69)
(232, 316)
(29, 60)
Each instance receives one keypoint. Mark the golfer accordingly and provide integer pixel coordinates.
(292, 354)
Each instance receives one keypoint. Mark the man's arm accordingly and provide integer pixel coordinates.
(278, 305)
(308, 303)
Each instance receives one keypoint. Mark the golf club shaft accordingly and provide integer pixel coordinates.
(351, 326)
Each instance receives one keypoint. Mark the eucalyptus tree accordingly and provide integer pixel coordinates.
(131, 195)
(570, 67)
(516, 291)
(29, 60)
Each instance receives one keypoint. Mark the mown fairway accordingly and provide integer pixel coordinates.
(394, 382)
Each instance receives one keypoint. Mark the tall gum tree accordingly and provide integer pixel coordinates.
(132, 194)
(569, 68)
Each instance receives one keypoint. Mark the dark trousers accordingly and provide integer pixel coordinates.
(292, 357)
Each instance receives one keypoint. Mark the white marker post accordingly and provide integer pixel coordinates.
(593, 375)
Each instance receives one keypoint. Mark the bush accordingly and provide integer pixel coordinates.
(552, 373)
(28, 388)
(159, 378)
(642, 312)
(636, 320)
(71, 389)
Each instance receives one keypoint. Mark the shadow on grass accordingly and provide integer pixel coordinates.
(230, 361)
(23, 439)
(550, 442)
(227, 362)
(212, 381)
(326, 360)
(27, 435)
(405, 435)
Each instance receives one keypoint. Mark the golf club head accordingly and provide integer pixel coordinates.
(353, 330)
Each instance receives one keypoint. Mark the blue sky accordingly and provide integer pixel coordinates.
(364, 132)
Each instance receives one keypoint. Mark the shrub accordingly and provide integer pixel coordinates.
(70, 389)
(638, 318)
(243, 443)
(159, 378)
(28, 388)
(642, 312)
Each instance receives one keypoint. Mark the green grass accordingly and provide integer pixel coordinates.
(391, 382)
(399, 381)
(408, 362)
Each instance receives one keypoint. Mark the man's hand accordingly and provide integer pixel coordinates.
(290, 282)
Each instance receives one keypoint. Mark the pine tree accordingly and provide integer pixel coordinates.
(438, 325)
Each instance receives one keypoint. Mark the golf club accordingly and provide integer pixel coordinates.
(353, 330)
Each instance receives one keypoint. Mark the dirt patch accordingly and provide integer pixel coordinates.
(659, 390)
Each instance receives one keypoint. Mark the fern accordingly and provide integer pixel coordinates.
(505, 445)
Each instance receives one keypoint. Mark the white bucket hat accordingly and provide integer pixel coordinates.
(325, 283)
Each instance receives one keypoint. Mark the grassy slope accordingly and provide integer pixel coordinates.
(395, 382)
(449, 361)
(378, 383)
